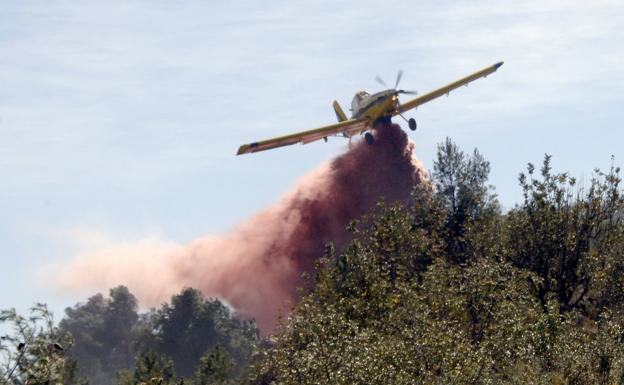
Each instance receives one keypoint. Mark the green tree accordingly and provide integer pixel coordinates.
(365, 324)
(191, 326)
(216, 367)
(394, 306)
(461, 184)
(570, 237)
(34, 353)
(151, 368)
(110, 334)
(103, 332)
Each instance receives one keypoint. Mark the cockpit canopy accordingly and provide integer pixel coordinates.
(357, 100)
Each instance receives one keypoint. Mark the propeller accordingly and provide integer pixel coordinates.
(396, 84)
(398, 79)
(380, 81)
(410, 122)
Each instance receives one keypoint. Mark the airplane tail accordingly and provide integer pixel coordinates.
(339, 112)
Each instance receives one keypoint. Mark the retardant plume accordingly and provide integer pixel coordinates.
(257, 266)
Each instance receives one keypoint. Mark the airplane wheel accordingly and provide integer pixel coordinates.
(369, 138)
(412, 124)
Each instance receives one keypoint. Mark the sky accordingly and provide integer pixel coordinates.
(119, 120)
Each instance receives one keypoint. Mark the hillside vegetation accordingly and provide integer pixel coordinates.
(445, 289)
(449, 290)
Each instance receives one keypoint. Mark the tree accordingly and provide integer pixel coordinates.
(191, 326)
(461, 184)
(151, 368)
(103, 332)
(570, 237)
(215, 368)
(35, 352)
(395, 306)
(119, 321)
(110, 335)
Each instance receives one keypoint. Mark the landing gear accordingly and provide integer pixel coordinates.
(411, 122)
(369, 138)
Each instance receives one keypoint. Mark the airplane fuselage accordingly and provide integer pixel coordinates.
(377, 106)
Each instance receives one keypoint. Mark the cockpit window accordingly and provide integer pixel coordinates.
(357, 100)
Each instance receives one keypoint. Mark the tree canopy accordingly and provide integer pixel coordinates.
(111, 338)
(447, 288)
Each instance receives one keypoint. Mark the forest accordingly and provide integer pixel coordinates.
(445, 288)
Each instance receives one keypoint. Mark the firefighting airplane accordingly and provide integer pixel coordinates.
(368, 112)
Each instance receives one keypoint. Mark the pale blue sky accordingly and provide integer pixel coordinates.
(119, 120)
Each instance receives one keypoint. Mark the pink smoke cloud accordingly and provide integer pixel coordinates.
(257, 266)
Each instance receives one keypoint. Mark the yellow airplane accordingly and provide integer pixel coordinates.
(368, 112)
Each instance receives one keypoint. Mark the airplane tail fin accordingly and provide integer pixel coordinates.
(339, 112)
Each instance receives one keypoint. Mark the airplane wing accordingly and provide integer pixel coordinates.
(347, 128)
(448, 88)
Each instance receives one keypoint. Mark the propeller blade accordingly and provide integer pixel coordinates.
(409, 92)
(380, 81)
(398, 79)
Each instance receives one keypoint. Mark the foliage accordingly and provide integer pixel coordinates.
(370, 321)
(34, 353)
(570, 237)
(102, 329)
(461, 186)
(444, 289)
(151, 368)
(111, 338)
(216, 367)
(191, 326)
(451, 290)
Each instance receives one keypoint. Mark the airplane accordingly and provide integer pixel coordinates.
(368, 112)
